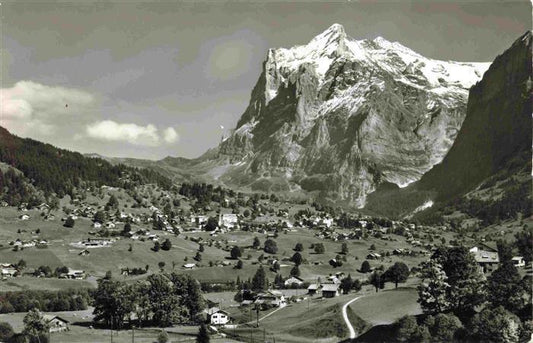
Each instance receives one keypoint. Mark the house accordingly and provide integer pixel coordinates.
(293, 280)
(110, 225)
(487, 261)
(228, 220)
(24, 217)
(271, 299)
(330, 290)
(56, 323)
(189, 265)
(216, 316)
(199, 220)
(518, 261)
(97, 225)
(8, 270)
(76, 274)
(84, 252)
(373, 256)
(313, 288)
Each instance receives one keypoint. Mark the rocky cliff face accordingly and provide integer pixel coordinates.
(341, 116)
(497, 127)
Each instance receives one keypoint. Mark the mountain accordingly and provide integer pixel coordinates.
(52, 170)
(493, 147)
(340, 116)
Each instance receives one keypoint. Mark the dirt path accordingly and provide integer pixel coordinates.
(345, 317)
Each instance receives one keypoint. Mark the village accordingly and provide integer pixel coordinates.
(307, 254)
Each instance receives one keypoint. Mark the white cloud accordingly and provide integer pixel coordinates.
(109, 130)
(170, 135)
(30, 108)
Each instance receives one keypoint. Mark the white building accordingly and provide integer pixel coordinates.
(228, 220)
(216, 316)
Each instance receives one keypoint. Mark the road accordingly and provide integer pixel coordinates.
(345, 317)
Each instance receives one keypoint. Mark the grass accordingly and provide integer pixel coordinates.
(387, 306)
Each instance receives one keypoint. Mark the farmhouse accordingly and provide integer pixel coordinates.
(487, 260)
(313, 288)
(8, 270)
(56, 323)
(228, 220)
(24, 217)
(330, 290)
(216, 316)
(293, 280)
(271, 298)
(518, 261)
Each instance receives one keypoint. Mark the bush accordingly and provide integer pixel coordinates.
(162, 337)
(6, 331)
(270, 246)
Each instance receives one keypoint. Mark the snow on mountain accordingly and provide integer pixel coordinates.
(340, 116)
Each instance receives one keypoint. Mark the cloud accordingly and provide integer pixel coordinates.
(170, 135)
(229, 59)
(149, 135)
(109, 130)
(32, 108)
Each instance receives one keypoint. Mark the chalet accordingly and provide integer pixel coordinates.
(216, 316)
(76, 274)
(518, 261)
(199, 220)
(228, 220)
(189, 265)
(293, 280)
(56, 323)
(8, 270)
(373, 256)
(271, 299)
(24, 217)
(97, 225)
(110, 225)
(330, 290)
(84, 252)
(313, 288)
(487, 260)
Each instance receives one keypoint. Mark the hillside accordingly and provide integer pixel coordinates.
(493, 144)
(54, 170)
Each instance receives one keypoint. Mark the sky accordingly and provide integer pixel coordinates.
(155, 79)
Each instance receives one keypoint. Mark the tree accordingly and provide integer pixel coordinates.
(203, 335)
(161, 265)
(344, 248)
(444, 328)
(167, 244)
(365, 267)
(260, 281)
(467, 286)
(495, 325)
(319, 248)
(6, 331)
(99, 217)
(297, 258)
(35, 326)
(432, 292)
(295, 271)
(505, 251)
(198, 256)
(299, 247)
(524, 242)
(212, 224)
(235, 252)
(408, 330)
(127, 228)
(239, 265)
(256, 244)
(157, 246)
(505, 288)
(69, 222)
(377, 280)
(398, 272)
(112, 203)
(112, 301)
(270, 246)
(346, 284)
(162, 337)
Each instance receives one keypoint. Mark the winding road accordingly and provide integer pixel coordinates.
(345, 317)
